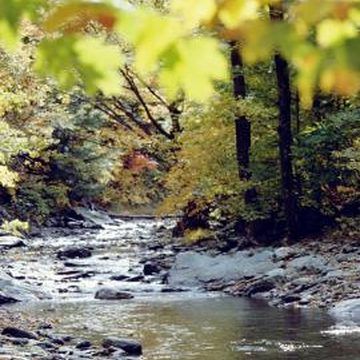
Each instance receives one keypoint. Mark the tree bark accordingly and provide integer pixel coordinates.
(290, 200)
(242, 124)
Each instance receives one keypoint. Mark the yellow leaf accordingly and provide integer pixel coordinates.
(258, 43)
(311, 11)
(8, 178)
(151, 34)
(308, 65)
(190, 68)
(195, 12)
(343, 81)
(73, 16)
(104, 59)
(332, 32)
(233, 12)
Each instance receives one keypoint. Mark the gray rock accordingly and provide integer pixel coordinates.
(46, 345)
(132, 347)
(112, 294)
(57, 341)
(7, 299)
(18, 333)
(9, 242)
(84, 345)
(347, 311)
(312, 263)
(305, 300)
(119, 277)
(19, 341)
(260, 286)
(74, 252)
(283, 253)
(347, 249)
(135, 278)
(173, 290)
(193, 269)
(303, 281)
(346, 257)
(96, 217)
(335, 274)
(151, 268)
(290, 298)
(278, 275)
(12, 290)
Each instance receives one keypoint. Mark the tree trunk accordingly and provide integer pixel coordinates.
(242, 125)
(285, 136)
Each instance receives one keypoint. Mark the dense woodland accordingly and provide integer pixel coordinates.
(223, 111)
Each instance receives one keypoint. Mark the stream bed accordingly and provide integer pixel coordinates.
(186, 325)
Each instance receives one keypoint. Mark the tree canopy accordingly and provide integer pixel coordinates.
(235, 108)
(182, 43)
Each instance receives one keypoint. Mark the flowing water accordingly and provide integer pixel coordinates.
(186, 326)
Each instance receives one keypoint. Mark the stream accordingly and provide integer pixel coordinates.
(172, 325)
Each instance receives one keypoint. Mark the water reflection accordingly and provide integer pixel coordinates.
(206, 328)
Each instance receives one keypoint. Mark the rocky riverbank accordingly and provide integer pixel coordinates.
(104, 259)
(310, 273)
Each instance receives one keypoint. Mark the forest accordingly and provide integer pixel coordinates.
(229, 125)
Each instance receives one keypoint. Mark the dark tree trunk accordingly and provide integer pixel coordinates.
(242, 125)
(285, 136)
(297, 112)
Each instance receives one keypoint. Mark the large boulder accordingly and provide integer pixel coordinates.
(347, 311)
(90, 216)
(130, 346)
(9, 242)
(12, 290)
(193, 269)
(112, 294)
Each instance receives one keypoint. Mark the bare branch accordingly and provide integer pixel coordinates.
(138, 95)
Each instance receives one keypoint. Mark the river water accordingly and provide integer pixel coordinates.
(189, 325)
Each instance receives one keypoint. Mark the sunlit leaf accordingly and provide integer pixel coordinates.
(311, 11)
(233, 12)
(104, 61)
(308, 66)
(189, 67)
(195, 12)
(8, 178)
(332, 32)
(258, 43)
(90, 60)
(151, 34)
